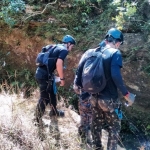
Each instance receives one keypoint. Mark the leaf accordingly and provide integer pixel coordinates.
(148, 127)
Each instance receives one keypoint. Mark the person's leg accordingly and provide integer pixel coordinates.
(82, 126)
(85, 112)
(53, 100)
(97, 124)
(114, 129)
(113, 124)
(43, 101)
(53, 103)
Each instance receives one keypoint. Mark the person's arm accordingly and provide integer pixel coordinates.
(59, 68)
(117, 78)
(77, 86)
(60, 65)
(116, 65)
(78, 76)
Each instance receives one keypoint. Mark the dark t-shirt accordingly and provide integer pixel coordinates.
(112, 65)
(59, 52)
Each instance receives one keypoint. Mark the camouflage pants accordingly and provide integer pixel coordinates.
(102, 118)
(86, 116)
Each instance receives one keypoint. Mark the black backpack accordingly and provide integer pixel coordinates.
(93, 76)
(44, 55)
(44, 58)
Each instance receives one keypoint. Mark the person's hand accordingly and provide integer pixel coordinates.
(62, 82)
(130, 98)
(76, 89)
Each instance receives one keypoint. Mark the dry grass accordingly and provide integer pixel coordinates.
(17, 131)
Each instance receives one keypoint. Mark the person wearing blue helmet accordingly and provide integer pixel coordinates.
(68, 39)
(84, 105)
(45, 77)
(106, 107)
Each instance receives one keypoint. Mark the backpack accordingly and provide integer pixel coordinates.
(44, 55)
(93, 76)
(44, 58)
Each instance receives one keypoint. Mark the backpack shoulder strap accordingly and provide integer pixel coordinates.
(106, 48)
(103, 49)
(113, 50)
(51, 48)
(98, 51)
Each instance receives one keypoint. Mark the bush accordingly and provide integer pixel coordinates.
(11, 10)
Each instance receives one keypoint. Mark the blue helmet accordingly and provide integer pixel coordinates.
(68, 39)
(116, 34)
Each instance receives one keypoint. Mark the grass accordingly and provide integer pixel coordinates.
(17, 131)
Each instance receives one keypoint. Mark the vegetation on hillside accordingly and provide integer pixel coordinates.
(87, 20)
(128, 15)
(80, 18)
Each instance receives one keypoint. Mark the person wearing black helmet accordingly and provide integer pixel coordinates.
(46, 84)
(106, 107)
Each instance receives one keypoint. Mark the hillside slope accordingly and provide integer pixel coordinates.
(17, 131)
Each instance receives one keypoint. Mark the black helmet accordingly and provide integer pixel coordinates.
(68, 39)
(116, 34)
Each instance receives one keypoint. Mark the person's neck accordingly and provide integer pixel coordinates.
(111, 45)
(65, 45)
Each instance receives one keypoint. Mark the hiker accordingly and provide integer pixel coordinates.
(84, 107)
(106, 107)
(45, 78)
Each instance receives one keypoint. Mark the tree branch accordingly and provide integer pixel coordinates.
(39, 13)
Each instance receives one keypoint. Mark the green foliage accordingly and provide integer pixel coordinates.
(147, 69)
(69, 96)
(16, 75)
(147, 130)
(146, 27)
(135, 126)
(87, 1)
(3, 57)
(125, 12)
(19, 79)
(11, 10)
(84, 6)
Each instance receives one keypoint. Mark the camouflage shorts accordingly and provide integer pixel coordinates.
(85, 114)
(104, 117)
